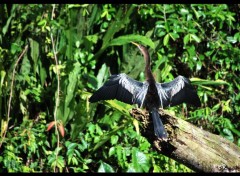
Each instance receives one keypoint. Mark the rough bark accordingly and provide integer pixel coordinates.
(198, 149)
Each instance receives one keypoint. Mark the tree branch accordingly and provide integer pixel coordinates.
(200, 150)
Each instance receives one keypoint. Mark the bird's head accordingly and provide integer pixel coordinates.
(142, 48)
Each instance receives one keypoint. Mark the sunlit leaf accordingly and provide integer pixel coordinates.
(2, 75)
(184, 11)
(92, 38)
(111, 151)
(101, 75)
(173, 35)
(135, 38)
(140, 161)
(71, 146)
(131, 168)
(199, 81)
(136, 124)
(120, 106)
(228, 134)
(114, 139)
(231, 39)
(186, 39)
(166, 39)
(196, 38)
(104, 167)
(166, 71)
(42, 22)
(199, 65)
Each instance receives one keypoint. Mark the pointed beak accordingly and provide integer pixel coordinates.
(135, 44)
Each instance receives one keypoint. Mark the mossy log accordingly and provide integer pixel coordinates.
(194, 147)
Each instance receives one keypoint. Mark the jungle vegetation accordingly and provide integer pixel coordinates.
(53, 57)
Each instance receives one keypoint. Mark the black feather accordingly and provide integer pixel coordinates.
(158, 125)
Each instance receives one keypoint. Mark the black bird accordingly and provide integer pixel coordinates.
(148, 94)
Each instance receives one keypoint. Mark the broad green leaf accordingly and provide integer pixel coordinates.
(184, 11)
(60, 162)
(198, 81)
(101, 75)
(237, 36)
(226, 106)
(120, 106)
(26, 66)
(186, 39)
(140, 161)
(165, 40)
(132, 38)
(77, 5)
(42, 72)
(216, 107)
(104, 167)
(92, 38)
(111, 151)
(34, 47)
(114, 139)
(237, 132)
(228, 134)
(167, 27)
(166, 71)
(107, 137)
(196, 38)
(231, 39)
(5, 28)
(15, 47)
(81, 118)
(115, 26)
(72, 83)
(131, 169)
(92, 128)
(173, 35)
(192, 31)
(3, 74)
(42, 22)
(195, 12)
(199, 65)
(72, 146)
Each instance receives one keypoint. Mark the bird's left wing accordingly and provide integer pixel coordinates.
(178, 91)
(122, 88)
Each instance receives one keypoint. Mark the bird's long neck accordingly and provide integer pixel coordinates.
(148, 72)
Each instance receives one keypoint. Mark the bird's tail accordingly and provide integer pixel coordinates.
(158, 125)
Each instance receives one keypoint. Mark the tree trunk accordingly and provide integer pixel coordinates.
(200, 150)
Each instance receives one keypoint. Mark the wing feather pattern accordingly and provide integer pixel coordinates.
(122, 88)
(178, 91)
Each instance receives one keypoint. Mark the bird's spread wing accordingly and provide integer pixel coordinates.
(178, 91)
(122, 88)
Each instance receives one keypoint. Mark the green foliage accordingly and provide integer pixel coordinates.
(127, 39)
(200, 42)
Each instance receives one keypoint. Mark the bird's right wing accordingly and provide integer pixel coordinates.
(122, 88)
(180, 90)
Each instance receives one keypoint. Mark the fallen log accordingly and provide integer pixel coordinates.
(194, 147)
